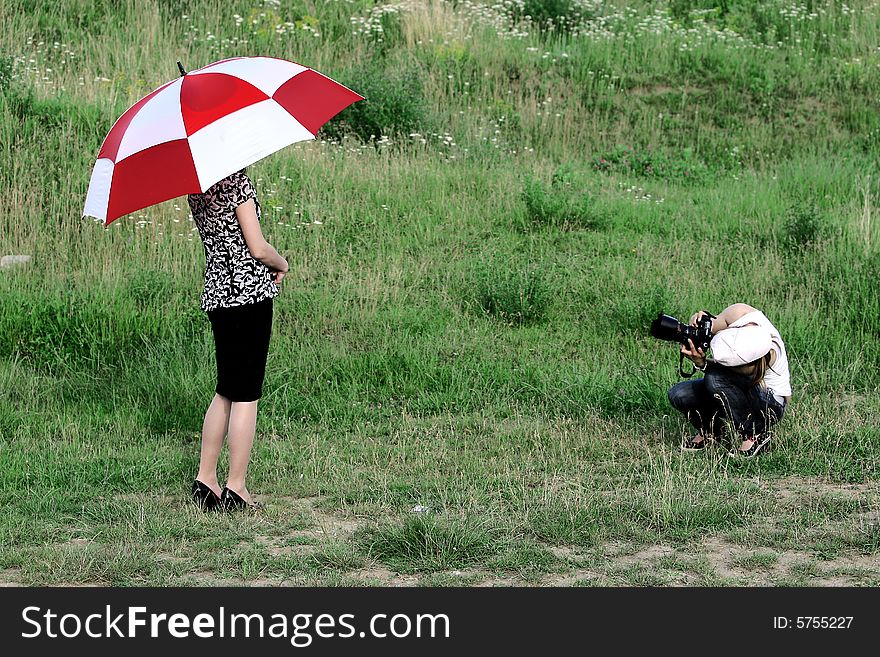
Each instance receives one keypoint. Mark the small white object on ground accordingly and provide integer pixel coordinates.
(418, 508)
(12, 260)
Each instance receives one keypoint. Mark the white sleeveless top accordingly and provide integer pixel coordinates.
(777, 378)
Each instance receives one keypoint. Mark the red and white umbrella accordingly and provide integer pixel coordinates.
(194, 131)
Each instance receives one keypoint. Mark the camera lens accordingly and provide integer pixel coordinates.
(666, 328)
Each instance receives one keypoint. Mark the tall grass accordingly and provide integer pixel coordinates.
(476, 253)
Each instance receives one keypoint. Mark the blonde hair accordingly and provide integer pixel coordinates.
(759, 368)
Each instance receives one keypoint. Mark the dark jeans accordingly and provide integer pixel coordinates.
(725, 395)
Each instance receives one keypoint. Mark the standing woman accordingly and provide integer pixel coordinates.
(242, 274)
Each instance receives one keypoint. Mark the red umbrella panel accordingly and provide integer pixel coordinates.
(194, 131)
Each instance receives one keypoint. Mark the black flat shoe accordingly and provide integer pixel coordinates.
(204, 497)
(232, 501)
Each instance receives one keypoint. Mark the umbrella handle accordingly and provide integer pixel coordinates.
(182, 71)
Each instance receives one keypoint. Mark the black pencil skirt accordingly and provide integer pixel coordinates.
(241, 344)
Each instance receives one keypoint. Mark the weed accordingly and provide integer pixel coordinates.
(684, 167)
(426, 543)
(559, 206)
(804, 226)
(6, 72)
(393, 104)
(515, 296)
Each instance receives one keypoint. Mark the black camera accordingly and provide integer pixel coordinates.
(669, 328)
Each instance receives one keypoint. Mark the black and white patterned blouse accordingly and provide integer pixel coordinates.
(233, 277)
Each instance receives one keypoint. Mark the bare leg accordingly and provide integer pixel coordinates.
(213, 433)
(242, 426)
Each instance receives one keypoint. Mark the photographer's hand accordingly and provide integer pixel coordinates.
(696, 317)
(694, 354)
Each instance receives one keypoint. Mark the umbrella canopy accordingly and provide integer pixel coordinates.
(194, 131)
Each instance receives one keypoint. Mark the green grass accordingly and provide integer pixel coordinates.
(477, 251)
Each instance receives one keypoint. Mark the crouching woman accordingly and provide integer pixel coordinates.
(746, 383)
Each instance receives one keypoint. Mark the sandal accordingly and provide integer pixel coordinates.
(759, 443)
(693, 445)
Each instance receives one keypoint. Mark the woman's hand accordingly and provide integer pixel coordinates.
(279, 274)
(696, 317)
(257, 245)
(694, 354)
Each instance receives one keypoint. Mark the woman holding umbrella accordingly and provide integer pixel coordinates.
(185, 138)
(242, 274)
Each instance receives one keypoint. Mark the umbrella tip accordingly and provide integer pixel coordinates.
(182, 71)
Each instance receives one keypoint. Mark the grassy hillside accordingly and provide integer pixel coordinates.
(477, 251)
